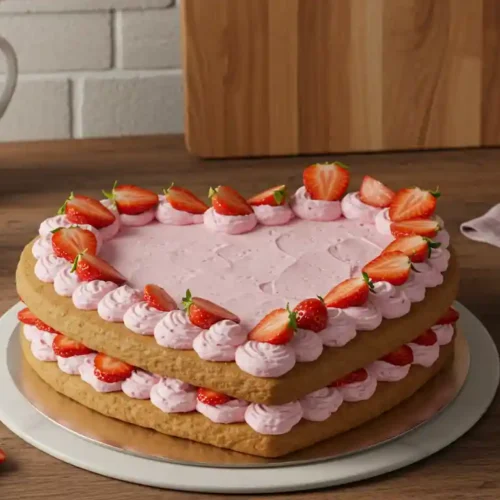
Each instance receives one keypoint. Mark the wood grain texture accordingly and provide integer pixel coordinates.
(295, 76)
(37, 177)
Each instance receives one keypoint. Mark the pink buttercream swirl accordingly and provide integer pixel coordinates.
(427, 275)
(72, 365)
(424, 355)
(42, 246)
(439, 259)
(443, 237)
(88, 295)
(359, 391)
(31, 332)
(220, 341)
(413, 288)
(173, 396)
(367, 317)
(109, 232)
(138, 220)
(319, 210)
(46, 268)
(176, 331)
(141, 318)
(228, 413)
(383, 222)
(114, 305)
(307, 345)
(273, 420)
(41, 347)
(139, 384)
(354, 208)
(87, 373)
(391, 301)
(387, 372)
(66, 282)
(230, 224)
(268, 215)
(167, 214)
(340, 330)
(444, 333)
(319, 405)
(48, 225)
(265, 360)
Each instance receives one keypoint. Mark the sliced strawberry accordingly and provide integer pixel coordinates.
(277, 327)
(416, 247)
(427, 338)
(90, 268)
(210, 397)
(400, 357)
(184, 200)
(81, 209)
(311, 315)
(451, 316)
(158, 298)
(421, 227)
(351, 378)
(227, 201)
(132, 200)
(273, 197)
(204, 313)
(374, 193)
(349, 293)
(393, 267)
(66, 348)
(413, 203)
(43, 326)
(3, 456)
(68, 242)
(27, 317)
(326, 181)
(110, 369)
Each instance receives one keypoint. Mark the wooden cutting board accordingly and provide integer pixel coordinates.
(286, 77)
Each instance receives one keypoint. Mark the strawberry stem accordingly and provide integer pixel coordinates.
(368, 281)
(57, 229)
(212, 192)
(280, 195)
(110, 195)
(342, 165)
(292, 318)
(165, 191)
(435, 193)
(187, 300)
(321, 299)
(62, 210)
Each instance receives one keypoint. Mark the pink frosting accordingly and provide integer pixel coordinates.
(265, 360)
(413, 288)
(359, 391)
(139, 219)
(340, 330)
(319, 405)
(318, 210)
(427, 275)
(109, 232)
(46, 268)
(139, 384)
(439, 259)
(367, 317)
(31, 332)
(444, 333)
(219, 343)
(173, 396)
(443, 237)
(66, 282)
(141, 318)
(176, 331)
(391, 301)
(88, 295)
(72, 365)
(42, 246)
(87, 372)
(227, 413)
(383, 222)
(354, 208)
(268, 215)
(167, 214)
(273, 420)
(48, 225)
(387, 372)
(114, 305)
(230, 224)
(307, 345)
(424, 355)
(41, 347)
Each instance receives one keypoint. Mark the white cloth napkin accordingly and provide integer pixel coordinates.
(485, 228)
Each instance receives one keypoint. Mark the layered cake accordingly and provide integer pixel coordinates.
(261, 325)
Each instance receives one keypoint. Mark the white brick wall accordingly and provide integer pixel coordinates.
(93, 68)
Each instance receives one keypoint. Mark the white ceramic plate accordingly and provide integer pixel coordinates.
(478, 392)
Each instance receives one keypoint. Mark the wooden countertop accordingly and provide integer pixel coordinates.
(35, 179)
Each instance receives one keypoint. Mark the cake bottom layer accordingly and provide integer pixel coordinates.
(239, 437)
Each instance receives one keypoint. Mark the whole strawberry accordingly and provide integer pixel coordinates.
(311, 314)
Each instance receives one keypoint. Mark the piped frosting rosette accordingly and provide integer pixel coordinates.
(176, 331)
(340, 329)
(226, 413)
(367, 317)
(88, 294)
(262, 359)
(139, 384)
(273, 420)
(390, 300)
(173, 396)
(318, 210)
(141, 318)
(319, 405)
(354, 208)
(114, 305)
